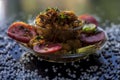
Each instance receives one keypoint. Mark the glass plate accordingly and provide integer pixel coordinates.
(82, 53)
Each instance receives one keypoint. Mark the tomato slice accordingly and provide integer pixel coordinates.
(21, 31)
(47, 49)
(88, 19)
(92, 38)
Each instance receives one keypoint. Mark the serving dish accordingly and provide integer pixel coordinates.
(83, 52)
(59, 36)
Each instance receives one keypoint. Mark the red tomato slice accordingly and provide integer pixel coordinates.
(93, 38)
(47, 49)
(21, 31)
(88, 19)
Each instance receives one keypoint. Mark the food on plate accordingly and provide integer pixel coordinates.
(57, 32)
(92, 38)
(47, 49)
(88, 19)
(21, 31)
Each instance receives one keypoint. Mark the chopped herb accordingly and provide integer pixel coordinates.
(39, 37)
(63, 16)
(56, 9)
(48, 9)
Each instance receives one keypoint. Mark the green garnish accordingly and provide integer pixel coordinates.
(63, 16)
(56, 9)
(89, 28)
(39, 37)
(48, 9)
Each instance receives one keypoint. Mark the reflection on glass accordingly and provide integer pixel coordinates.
(2, 10)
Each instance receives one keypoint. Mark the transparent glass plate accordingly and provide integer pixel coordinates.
(82, 53)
